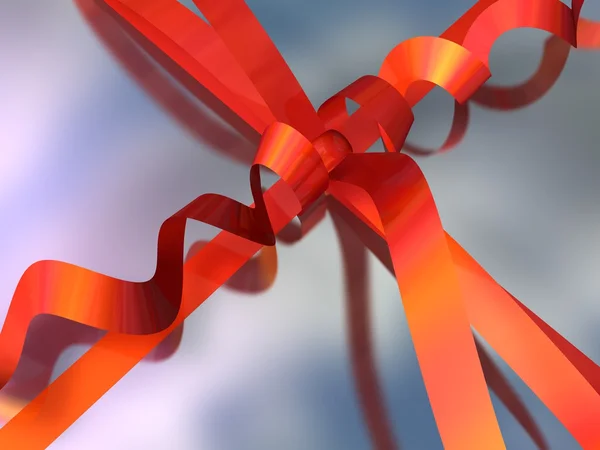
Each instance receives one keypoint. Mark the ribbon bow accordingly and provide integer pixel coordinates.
(320, 159)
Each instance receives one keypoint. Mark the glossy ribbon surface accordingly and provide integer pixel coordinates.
(320, 153)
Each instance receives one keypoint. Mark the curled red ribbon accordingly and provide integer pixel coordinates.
(387, 192)
(259, 274)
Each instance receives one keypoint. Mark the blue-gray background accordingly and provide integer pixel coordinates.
(90, 167)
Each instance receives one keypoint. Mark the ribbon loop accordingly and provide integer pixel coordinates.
(383, 112)
(293, 157)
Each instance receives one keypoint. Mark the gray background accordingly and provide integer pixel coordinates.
(90, 167)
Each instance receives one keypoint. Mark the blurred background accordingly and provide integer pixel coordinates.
(91, 166)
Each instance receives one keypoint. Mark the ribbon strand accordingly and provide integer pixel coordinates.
(439, 315)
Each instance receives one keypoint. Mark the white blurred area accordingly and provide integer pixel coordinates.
(90, 167)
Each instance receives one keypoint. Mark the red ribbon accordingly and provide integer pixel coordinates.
(443, 290)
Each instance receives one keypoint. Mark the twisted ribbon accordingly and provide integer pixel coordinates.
(316, 154)
(258, 274)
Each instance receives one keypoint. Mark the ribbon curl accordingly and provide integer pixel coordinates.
(305, 170)
(259, 273)
(554, 58)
